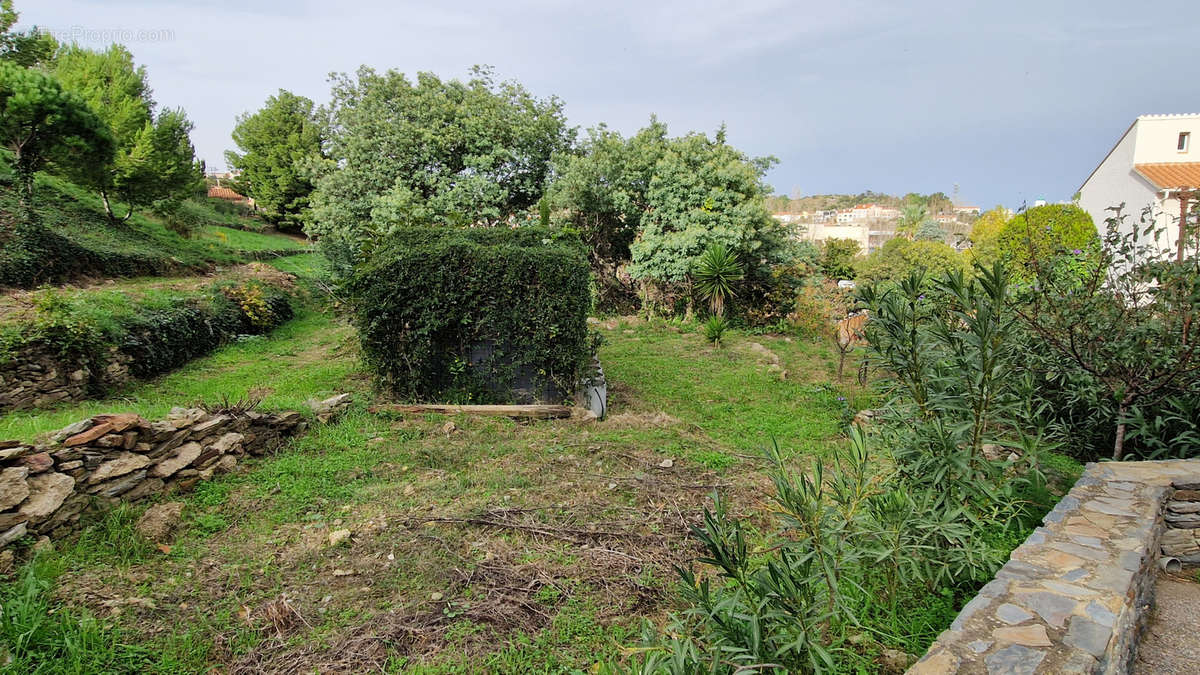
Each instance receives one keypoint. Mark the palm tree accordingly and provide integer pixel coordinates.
(911, 218)
(715, 274)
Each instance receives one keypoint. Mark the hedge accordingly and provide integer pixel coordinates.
(158, 335)
(475, 315)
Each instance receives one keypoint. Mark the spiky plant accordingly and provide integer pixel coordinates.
(716, 272)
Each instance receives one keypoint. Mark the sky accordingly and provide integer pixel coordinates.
(1010, 100)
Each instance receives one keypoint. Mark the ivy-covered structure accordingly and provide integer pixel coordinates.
(475, 315)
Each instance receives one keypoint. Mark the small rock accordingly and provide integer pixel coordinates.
(449, 428)
(159, 521)
(338, 536)
(6, 561)
(667, 463)
(39, 462)
(42, 544)
(895, 660)
(72, 430)
(344, 573)
(125, 462)
(12, 534)
(436, 597)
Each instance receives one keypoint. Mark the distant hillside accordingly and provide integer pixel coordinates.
(78, 241)
(936, 203)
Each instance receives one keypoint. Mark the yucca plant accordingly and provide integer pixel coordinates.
(714, 329)
(715, 274)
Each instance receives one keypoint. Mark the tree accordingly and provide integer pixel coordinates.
(601, 190)
(911, 216)
(837, 258)
(716, 273)
(985, 236)
(899, 258)
(437, 152)
(704, 191)
(275, 144)
(1125, 316)
(1043, 232)
(44, 125)
(26, 49)
(154, 158)
(930, 230)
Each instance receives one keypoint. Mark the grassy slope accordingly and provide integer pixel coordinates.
(443, 597)
(78, 214)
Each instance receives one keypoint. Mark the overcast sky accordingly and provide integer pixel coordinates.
(1013, 102)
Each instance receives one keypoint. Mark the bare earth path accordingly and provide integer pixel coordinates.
(1171, 643)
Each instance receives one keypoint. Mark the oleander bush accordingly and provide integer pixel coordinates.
(476, 314)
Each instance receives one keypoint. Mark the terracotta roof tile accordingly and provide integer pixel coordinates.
(1171, 175)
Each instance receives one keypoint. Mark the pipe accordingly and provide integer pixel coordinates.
(1170, 564)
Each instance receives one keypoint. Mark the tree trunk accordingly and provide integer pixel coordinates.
(1119, 444)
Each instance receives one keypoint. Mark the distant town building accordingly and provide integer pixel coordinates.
(967, 210)
(1151, 165)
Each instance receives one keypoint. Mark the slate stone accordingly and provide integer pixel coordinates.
(1052, 607)
(1088, 635)
(979, 646)
(1100, 614)
(1012, 614)
(1014, 660)
(977, 603)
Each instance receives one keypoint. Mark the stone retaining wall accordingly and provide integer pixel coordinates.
(35, 378)
(1075, 595)
(113, 458)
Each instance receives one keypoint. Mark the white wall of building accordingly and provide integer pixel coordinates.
(1151, 139)
(1158, 138)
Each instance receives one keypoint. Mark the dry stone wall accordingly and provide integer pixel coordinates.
(44, 488)
(1074, 597)
(35, 377)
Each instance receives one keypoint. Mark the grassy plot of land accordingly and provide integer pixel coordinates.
(476, 545)
(244, 240)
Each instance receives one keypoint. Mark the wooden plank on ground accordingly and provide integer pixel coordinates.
(535, 411)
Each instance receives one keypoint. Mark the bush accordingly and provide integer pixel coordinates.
(480, 314)
(900, 257)
(1044, 232)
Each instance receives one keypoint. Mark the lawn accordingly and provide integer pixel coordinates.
(477, 544)
(244, 240)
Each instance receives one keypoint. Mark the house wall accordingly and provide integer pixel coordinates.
(1158, 138)
(819, 232)
(1115, 182)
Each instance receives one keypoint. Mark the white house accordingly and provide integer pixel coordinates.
(1149, 167)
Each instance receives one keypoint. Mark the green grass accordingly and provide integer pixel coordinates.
(250, 536)
(731, 393)
(310, 356)
(304, 265)
(243, 240)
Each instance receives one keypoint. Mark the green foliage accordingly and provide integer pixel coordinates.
(899, 258)
(40, 637)
(837, 258)
(26, 49)
(43, 124)
(1044, 232)
(714, 329)
(717, 272)
(985, 236)
(601, 191)
(154, 158)
(475, 314)
(1117, 342)
(704, 191)
(930, 230)
(850, 550)
(160, 331)
(276, 143)
(431, 153)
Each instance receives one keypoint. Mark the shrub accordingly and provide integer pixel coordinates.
(1044, 232)
(479, 314)
(900, 257)
(714, 329)
(716, 273)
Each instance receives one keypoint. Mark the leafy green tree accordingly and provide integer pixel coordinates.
(911, 216)
(438, 152)
(985, 236)
(1043, 232)
(27, 48)
(930, 230)
(154, 158)
(275, 144)
(900, 258)
(837, 258)
(44, 125)
(704, 191)
(601, 190)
